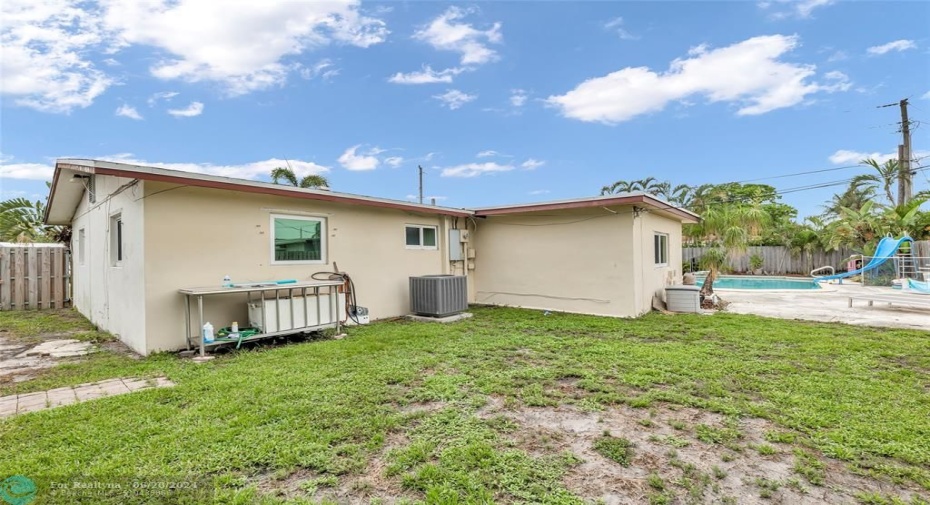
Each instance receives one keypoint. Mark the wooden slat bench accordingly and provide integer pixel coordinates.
(903, 299)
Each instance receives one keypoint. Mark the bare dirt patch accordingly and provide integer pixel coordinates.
(683, 455)
(354, 489)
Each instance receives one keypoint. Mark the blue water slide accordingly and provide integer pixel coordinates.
(887, 248)
(920, 287)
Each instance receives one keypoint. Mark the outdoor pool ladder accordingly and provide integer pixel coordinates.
(828, 267)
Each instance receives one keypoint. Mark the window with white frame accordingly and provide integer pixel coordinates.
(661, 249)
(81, 246)
(297, 239)
(116, 240)
(421, 237)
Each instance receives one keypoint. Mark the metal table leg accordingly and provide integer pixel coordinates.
(200, 313)
(187, 320)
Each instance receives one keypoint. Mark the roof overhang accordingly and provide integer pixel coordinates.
(645, 200)
(66, 190)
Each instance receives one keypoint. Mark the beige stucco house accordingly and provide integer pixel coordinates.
(142, 233)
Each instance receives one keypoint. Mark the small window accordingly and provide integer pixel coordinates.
(421, 237)
(116, 240)
(81, 246)
(661, 249)
(297, 239)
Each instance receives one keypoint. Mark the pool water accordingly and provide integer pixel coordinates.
(761, 282)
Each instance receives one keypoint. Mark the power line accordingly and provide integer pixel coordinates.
(800, 173)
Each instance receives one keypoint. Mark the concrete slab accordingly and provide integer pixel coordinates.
(61, 396)
(826, 305)
(448, 319)
(64, 348)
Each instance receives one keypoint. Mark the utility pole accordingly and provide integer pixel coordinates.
(905, 185)
(421, 183)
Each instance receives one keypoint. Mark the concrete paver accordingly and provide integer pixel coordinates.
(58, 397)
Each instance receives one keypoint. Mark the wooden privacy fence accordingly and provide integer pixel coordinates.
(34, 276)
(776, 260)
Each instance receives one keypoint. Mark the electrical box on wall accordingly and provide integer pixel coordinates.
(455, 246)
(463, 236)
(471, 265)
(470, 253)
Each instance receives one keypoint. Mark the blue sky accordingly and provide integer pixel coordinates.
(501, 102)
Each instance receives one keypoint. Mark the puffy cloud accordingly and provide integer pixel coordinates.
(426, 76)
(532, 164)
(475, 169)
(445, 33)
(194, 109)
(240, 43)
(48, 45)
(45, 63)
(748, 73)
(897, 45)
(128, 111)
(453, 99)
(351, 159)
(28, 171)
(518, 97)
(393, 161)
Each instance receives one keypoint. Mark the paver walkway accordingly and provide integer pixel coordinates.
(31, 402)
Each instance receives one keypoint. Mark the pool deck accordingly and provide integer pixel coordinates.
(826, 305)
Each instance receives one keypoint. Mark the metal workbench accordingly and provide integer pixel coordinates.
(260, 291)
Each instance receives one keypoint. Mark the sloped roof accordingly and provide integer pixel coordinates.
(64, 196)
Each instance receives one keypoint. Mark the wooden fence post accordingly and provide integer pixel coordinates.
(5, 283)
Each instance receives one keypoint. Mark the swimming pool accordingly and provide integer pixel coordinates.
(761, 282)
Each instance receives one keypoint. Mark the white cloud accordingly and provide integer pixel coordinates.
(848, 157)
(351, 159)
(393, 161)
(925, 96)
(111, 62)
(161, 95)
(241, 44)
(453, 99)
(517, 97)
(45, 64)
(445, 34)
(324, 68)
(488, 154)
(48, 45)
(532, 164)
(897, 45)
(747, 73)
(793, 8)
(616, 25)
(540, 192)
(426, 76)
(194, 109)
(253, 170)
(475, 169)
(28, 171)
(128, 111)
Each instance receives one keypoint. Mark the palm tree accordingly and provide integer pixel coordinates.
(888, 174)
(21, 221)
(619, 187)
(728, 228)
(287, 175)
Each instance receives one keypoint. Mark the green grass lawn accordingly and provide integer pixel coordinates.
(402, 399)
